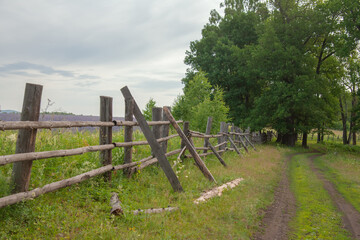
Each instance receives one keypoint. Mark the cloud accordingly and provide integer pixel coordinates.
(155, 85)
(27, 69)
(86, 83)
(93, 32)
(86, 48)
(14, 68)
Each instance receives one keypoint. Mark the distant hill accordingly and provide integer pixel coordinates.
(8, 111)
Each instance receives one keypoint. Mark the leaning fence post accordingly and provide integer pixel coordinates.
(155, 146)
(105, 137)
(190, 147)
(207, 132)
(26, 137)
(128, 133)
(165, 130)
(233, 144)
(217, 154)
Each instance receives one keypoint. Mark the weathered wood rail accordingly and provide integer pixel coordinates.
(159, 135)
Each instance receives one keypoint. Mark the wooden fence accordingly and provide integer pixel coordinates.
(157, 139)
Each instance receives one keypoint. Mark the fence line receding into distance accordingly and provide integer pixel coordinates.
(25, 146)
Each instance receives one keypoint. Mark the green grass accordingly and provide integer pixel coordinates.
(82, 210)
(316, 216)
(343, 170)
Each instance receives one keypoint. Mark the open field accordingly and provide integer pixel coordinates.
(82, 211)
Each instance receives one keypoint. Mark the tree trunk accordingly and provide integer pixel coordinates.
(353, 117)
(354, 138)
(304, 140)
(289, 139)
(343, 119)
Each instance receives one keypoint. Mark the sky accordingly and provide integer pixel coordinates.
(81, 50)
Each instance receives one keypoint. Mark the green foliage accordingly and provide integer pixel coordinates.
(278, 64)
(147, 112)
(214, 108)
(199, 102)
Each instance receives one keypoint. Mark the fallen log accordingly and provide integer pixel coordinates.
(18, 197)
(155, 210)
(115, 205)
(217, 191)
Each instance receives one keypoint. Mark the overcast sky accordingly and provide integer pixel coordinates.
(80, 50)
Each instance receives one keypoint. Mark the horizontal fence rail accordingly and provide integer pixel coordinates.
(16, 125)
(6, 159)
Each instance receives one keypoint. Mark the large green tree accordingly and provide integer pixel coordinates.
(224, 51)
(279, 62)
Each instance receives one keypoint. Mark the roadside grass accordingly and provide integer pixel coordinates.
(82, 210)
(342, 168)
(316, 216)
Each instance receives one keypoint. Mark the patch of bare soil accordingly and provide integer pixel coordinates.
(281, 211)
(351, 217)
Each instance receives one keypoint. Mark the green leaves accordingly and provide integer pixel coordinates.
(199, 102)
(148, 109)
(279, 64)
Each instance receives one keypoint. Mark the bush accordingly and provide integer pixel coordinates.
(200, 101)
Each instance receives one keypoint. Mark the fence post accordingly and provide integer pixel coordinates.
(155, 146)
(26, 137)
(156, 116)
(232, 130)
(156, 129)
(105, 137)
(207, 132)
(237, 130)
(128, 133)
(165, 130)
(186, 132)
(223, 129)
